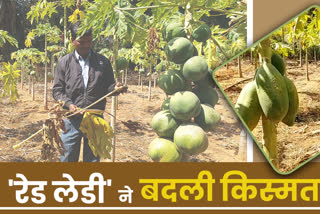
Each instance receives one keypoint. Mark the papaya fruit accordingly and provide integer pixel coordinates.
(195, 68)
(165, 104)
(184, 105)
(207, 80)
(122, 63)
(272, 92)
(208, 119)
(179, 50)
(164, 124)
(206, 94)
(171, 81)
(293, 103)
(190, 139)
(201, 33)
(164, 150)
(174, 30)
(278, 62)
(248, 105)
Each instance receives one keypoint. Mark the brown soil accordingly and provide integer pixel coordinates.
(133, 129)
(300, 142)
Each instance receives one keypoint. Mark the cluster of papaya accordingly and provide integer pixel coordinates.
(271, 94)
(188, 112)
(31, 70)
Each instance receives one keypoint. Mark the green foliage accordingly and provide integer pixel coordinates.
(26, 54)
(42, 9)
(5, 37)
(9, 77)
(52, 33)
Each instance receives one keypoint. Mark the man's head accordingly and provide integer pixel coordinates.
(82, 44)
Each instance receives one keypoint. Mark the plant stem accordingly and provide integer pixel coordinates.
(270, 140)
(222, 11)
(217, 44)
(146, 7)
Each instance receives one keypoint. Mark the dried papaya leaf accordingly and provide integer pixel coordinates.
(99, 134)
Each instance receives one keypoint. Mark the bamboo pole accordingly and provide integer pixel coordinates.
(243, 145)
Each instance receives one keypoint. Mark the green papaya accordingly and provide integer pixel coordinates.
(272, 92)
(184, 105)
(171, 81)
(165, 104)
(195, 68)
(206, 94)
(179, 50)
(164, 124)
(164, 150)
(122, 63)
(207, 80)
(278, 62)
(293, 103)
(174, 30)
(208, 119)
(191, 139)
(248, 105)
(201, 33)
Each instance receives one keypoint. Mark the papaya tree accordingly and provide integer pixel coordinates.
(9, 75)
(54, 50)
(51, 34)
(25, 56)
(5, 37)
(306, 31)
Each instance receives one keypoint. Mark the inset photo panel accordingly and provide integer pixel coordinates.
(274, 88)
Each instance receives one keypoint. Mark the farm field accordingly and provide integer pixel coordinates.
(134, 132)
(179, 43)
(300, 142)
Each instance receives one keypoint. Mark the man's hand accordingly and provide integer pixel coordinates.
(123, 90)
(72, 108)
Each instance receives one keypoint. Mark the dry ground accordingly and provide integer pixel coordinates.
(134, 132)
(300, 142)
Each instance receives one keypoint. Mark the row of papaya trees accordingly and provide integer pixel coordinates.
(131, 32)
(130, 26)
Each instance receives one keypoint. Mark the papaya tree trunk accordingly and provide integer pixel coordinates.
(65, 26)
(150, 86)
(114, 101)
(52, 65)
(300, 54)
(32, 93)
(29, 84)
(307, 65)
(154, 81)
(239, 67)
(269, 127)
(45, 74)
(126, 77)
(22, 74)
(270, 144)
(251, 58)
(139, 79)
(141, 83)
(122, 77)
(188, 19)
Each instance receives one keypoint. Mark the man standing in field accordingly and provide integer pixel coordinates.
(81, 78)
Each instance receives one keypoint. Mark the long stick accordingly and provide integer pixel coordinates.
(19, 144)
(107, 95)
(82, 110)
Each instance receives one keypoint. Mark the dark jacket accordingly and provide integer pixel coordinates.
(68, 84)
